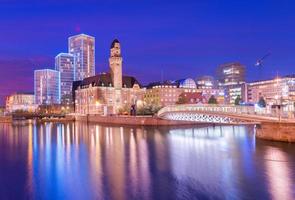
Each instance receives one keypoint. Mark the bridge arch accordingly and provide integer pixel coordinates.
(221, 114)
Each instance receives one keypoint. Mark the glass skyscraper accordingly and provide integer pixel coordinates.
(64, 63)
(47, 86)
(83, 48)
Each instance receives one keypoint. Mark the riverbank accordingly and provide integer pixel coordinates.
(131, 120)
(67, 118)
(5, 119)
(276, 131)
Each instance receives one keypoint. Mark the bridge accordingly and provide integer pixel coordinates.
(221, 114)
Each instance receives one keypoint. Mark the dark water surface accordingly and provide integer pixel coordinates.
(80, 161)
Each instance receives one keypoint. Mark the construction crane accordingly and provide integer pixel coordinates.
(260, 61)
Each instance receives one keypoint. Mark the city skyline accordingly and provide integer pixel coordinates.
(188, 41)
(191, 99)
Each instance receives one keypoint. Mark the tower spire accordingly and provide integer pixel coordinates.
(115, 61)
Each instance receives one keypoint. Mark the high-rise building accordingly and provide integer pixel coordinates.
(231, 78)
(82, 46)
(231, 74)
(47, 86)
(64, 63)
(172, 92)
(115, 61)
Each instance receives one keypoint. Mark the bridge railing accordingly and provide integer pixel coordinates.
(213, 108)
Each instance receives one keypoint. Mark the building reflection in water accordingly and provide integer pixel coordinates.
(89, 161)
(278, 170)
(206, 154)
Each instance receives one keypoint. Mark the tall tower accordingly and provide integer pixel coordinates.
(82, 46)
(65, 64)
(116, 64)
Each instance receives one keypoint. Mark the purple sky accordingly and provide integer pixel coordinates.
(186, 38)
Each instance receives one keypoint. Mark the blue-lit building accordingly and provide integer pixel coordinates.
(65, 64)
(82, 46)
(47, 86)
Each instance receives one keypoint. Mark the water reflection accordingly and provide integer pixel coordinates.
(82, 161)
(278, 170)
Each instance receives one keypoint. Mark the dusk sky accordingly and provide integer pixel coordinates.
(177, 39)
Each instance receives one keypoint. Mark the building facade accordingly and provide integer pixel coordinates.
(191, 98)
(205, 82)
(21, 102)
(217, 93)
(82, 46)
(47, 86)
(95, 95)
(64, 63)
(234, 91)
(108, 93)
(231, 78)
(231, 74)
(173, 92)
(163, 94)
(168, 92)
(277, 91)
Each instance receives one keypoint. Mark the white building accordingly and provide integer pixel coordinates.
(278, 91)
(20, 102)
(83, 48)
(64, 63)
(47, 86)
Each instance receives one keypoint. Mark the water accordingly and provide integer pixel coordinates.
(80, 161)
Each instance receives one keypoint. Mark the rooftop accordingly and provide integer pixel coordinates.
(82, 35)
(114, 42)
(64, 54)
(104, 79)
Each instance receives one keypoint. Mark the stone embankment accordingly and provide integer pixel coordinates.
(276, 131)
(67, 118)
(5, 119)
(131, 120)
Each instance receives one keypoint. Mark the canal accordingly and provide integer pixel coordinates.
(90, 161)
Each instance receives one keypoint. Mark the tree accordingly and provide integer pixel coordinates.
(238, 100)
(124, 110)
(148, 109)
(181, 100)
(212, 100)
(262, 102)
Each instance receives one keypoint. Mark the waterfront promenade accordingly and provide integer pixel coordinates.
(269, 126)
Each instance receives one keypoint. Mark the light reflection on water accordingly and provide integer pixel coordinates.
(82, 161)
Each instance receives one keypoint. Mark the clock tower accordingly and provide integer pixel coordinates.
(115, 61)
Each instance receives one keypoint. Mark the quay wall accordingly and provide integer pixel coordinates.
(5, 119)
(276, 131)
(67, 118)
(132, 120)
